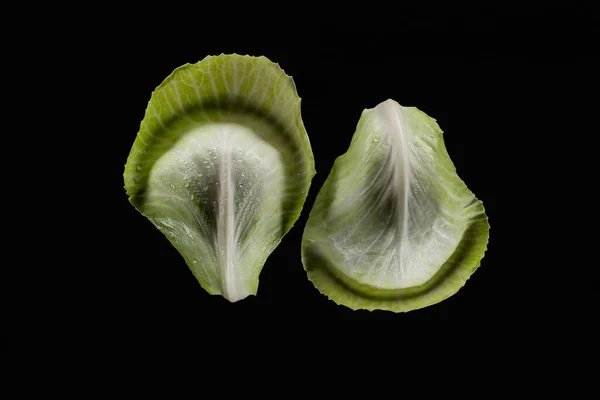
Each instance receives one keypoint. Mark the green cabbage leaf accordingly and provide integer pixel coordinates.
(394, 227)
(222, 165)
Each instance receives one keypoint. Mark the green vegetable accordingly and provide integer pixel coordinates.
(222, 165)
(394, 227)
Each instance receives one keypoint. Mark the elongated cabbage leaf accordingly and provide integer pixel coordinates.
(222, 165)
(394, 227)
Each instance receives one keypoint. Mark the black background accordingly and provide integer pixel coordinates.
(495, 82)
(105, 297)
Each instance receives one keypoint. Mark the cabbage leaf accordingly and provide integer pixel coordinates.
(394, 227)
(222, 165)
